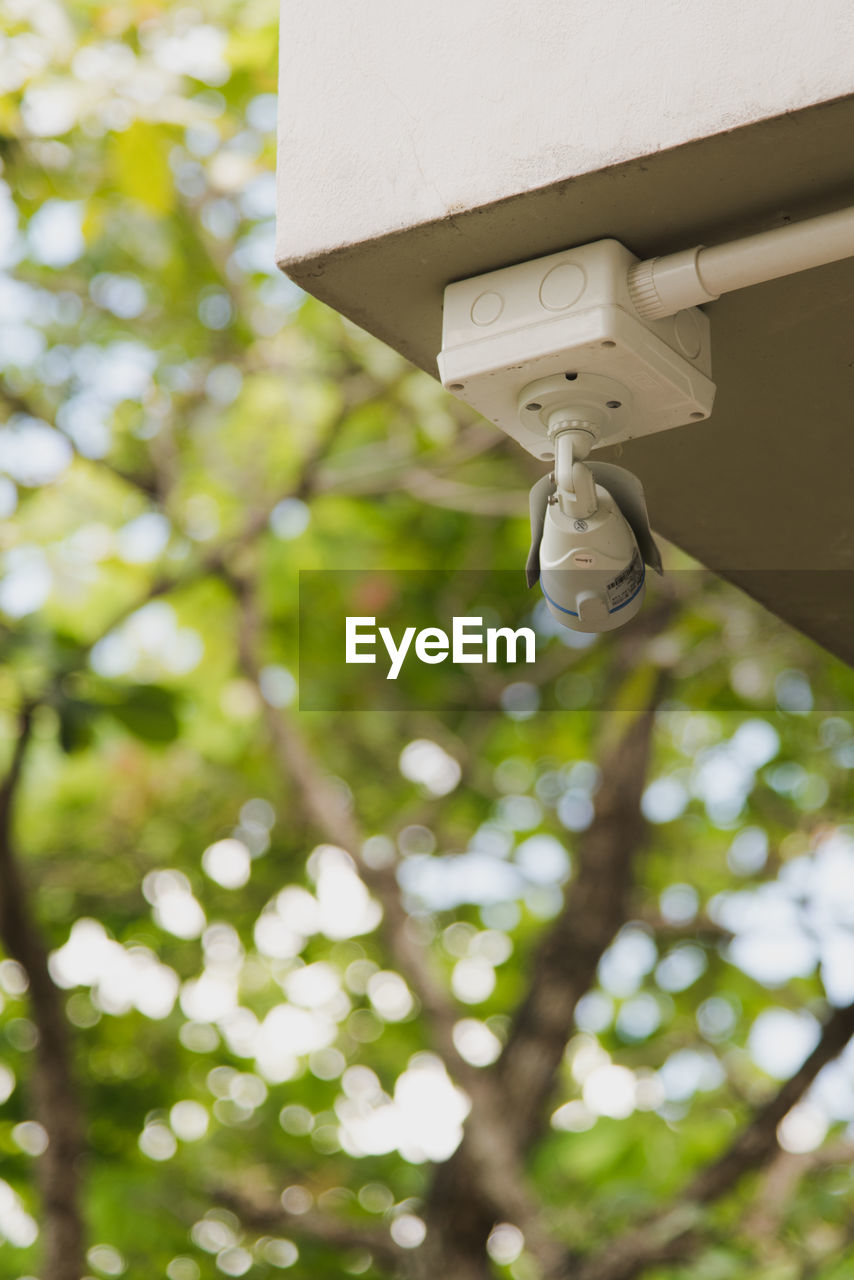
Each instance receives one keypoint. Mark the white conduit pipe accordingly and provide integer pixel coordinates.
(662, 286)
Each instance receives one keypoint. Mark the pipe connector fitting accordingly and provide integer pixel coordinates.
(662, 286)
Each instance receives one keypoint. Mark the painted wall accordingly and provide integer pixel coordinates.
(396, 112)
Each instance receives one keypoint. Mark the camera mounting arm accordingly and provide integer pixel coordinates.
(574, 483)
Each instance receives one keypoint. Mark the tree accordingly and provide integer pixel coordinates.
(533, 977)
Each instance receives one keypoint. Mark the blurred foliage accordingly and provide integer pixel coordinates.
(179, 418)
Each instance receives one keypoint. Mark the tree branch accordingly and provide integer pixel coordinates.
(16, 403)
(784, 1173)
(597, 904)
(758, 1142)
(493, 1159)
(55, 1101)
(672, 1234)
(326, 1228)
(328, 812)
(463, 1207)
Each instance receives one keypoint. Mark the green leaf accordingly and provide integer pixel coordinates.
(141, 168)
(149, 712)
(76, 729)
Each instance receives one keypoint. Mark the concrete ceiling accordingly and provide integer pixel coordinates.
(764, 492)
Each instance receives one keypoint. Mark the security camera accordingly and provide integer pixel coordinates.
(590, 539)
(562, 355)
(590, 534)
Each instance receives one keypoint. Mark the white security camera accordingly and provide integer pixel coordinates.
(590, 535)
(590, 542)
(563, 354)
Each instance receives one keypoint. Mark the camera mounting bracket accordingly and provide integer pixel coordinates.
(564, 329)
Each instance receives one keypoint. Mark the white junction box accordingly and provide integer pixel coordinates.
(571, 314)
